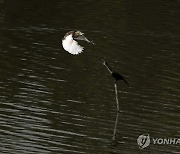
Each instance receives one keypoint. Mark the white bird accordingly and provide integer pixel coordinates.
(70, 44)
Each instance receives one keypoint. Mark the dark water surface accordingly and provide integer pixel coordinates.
(54, 102)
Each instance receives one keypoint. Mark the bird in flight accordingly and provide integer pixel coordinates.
(115, 75)
(70, 44)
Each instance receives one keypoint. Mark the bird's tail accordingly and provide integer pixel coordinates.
(125, 81)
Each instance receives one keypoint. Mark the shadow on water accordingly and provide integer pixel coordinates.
(53, 102)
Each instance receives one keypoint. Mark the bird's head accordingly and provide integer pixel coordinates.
(78, 35)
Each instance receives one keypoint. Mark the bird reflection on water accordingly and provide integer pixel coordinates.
(114, 74)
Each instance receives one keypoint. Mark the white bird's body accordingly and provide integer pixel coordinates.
(70, 44)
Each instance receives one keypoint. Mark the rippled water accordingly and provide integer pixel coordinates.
(53, 102)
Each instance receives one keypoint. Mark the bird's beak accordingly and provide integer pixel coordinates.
(82, 37)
